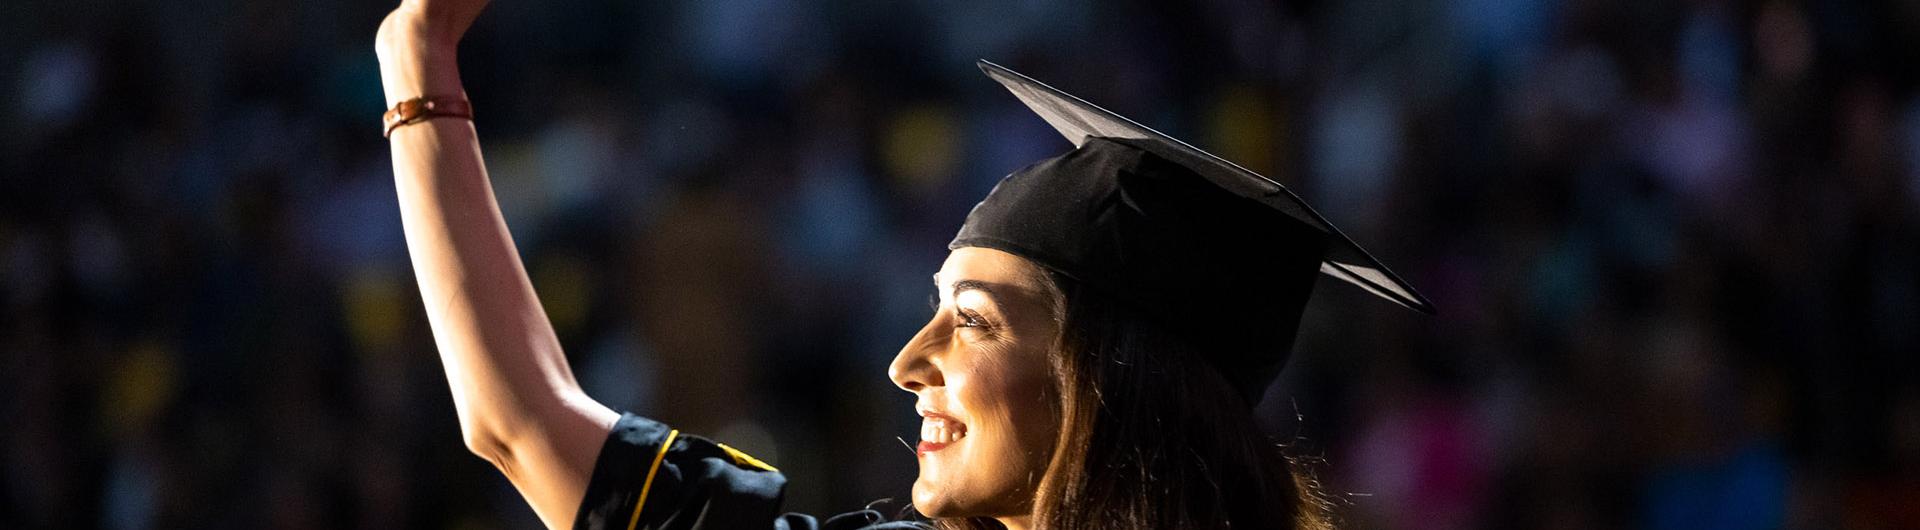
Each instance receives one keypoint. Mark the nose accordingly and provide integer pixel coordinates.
(914, 368)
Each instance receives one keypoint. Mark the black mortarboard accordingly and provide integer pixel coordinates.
(1226, 257)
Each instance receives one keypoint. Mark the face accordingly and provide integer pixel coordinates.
(979, 371)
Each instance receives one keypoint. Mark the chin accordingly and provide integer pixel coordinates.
(934, 501)
(929, 501)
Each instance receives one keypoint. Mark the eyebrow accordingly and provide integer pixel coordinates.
(962, 286)
(973, 285)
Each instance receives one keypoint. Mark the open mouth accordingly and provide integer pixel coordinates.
(937, 431)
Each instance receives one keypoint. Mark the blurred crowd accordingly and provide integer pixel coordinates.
(1674, 244)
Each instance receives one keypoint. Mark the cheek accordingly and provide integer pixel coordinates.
(1019, 395)
(1005, 394)
(1013, 399)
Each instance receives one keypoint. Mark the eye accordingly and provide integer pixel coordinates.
(967, 319)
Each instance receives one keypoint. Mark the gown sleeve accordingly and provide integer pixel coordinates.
(650, 476)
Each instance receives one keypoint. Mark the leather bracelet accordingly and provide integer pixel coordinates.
(424, 108)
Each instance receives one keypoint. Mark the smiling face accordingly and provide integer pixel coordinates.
(979, 371)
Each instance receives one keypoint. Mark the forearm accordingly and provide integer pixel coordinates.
(518, 402)
(503, 361)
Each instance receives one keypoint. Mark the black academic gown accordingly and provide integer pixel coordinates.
(650, 476)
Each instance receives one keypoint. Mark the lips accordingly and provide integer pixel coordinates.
(937, 431)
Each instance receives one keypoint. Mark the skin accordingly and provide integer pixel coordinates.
(982, 360)
(518, 403)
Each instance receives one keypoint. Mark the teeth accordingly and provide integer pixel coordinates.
(941, 431)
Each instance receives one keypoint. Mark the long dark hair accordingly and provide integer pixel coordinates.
(1152, 437)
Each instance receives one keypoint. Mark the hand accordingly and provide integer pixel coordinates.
(453, 15)
(435, 24)
(416, 44)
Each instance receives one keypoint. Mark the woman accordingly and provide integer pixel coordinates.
(1106, 321)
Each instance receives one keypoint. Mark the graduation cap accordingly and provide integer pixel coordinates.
(1225, 256)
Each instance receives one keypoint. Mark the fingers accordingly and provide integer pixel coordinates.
(455, 15)
(441, 19)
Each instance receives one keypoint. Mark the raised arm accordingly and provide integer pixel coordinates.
(519, 405)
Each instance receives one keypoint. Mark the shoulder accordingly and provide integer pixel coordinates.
(652, 476)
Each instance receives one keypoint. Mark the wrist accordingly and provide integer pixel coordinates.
(421, 109)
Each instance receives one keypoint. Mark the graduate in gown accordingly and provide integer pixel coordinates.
(1106, 321)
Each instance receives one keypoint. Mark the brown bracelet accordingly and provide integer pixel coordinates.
(424, 108)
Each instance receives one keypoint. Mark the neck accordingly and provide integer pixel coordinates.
(1023, 522)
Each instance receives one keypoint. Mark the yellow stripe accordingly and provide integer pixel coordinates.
(644, 488)
(744, 459)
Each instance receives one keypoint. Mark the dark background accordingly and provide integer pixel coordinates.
(1673, 244)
